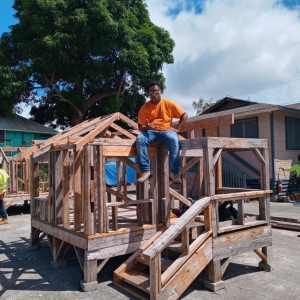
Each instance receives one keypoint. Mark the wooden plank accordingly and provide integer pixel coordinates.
(189, 165)
(128, 151)
(153, 191)
(129, 163)
(103, 125)
(260, 254)
(217, 156)
(129, 203)
(65, 188)
(166, 189)
(179, 197)
(60, 233)
(188, 272)
(223, 142)
(88, 224)
(259, 156)
(155, 277)
(183, 179)
(115, 218)
(58, 187)
(129, 264)
(34, 185)
(185, 241)
(241, 213)
(101, 201)
(191, 153)
(123, 131)
(77, 189)
(208, 122)
(225, 265)
(161, 243)
(241, 242)
(241, 195)
(238, 227)
(129, 121)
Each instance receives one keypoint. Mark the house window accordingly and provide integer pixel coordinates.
(2, 136)
(246, 128)
(292, 126)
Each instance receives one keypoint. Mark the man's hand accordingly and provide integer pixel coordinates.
(174, 129)
(281, 169)
(149, 126)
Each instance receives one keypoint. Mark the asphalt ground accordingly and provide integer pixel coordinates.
(28, 275)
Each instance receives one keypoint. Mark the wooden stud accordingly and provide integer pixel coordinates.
(77, 189)
(155, 277)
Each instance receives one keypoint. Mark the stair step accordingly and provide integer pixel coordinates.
(137, 279)
(165, 263)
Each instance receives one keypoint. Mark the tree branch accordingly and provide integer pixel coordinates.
(79, 112)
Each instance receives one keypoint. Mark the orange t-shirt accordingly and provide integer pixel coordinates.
(160, 114)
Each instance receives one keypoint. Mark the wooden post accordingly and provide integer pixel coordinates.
(77, 189)
(155, 277)
(153, 191)
(101, 187)
(119, 179)
(58, 187)
(65, 187)
(183, 178)
(166, 188)
(88, 222)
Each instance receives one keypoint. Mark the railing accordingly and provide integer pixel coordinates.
(232, 176)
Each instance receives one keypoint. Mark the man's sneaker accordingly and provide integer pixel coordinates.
(4, 221)
(175, 177)
(144, 177)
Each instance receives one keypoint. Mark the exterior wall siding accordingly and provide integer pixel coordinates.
(284, 158)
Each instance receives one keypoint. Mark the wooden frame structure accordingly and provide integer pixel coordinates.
(100, 221)
(202, 241)
(17, 166)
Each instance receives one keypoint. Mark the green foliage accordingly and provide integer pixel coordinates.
(201, 105)
(74, 59)
(43, 172)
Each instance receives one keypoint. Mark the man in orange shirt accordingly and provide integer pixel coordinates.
(155, 123)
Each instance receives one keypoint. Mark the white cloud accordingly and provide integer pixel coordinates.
(239, 48)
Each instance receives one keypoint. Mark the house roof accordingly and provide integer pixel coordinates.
(246, 108)
(19, 123)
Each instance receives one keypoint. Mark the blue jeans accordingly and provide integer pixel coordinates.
(3, 212)
(168, 137)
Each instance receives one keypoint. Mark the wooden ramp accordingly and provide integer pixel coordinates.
(165, 266)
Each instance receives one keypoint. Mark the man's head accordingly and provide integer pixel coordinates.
(1, 165)
(154, 89)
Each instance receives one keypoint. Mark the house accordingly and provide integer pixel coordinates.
(18, 130)
(279, 124)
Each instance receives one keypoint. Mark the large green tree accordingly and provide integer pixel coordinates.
(76, 59)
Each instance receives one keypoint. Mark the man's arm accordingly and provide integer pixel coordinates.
(148, 126)
(182, 121)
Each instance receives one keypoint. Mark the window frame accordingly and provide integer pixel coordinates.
(286, 133)
(243, 121)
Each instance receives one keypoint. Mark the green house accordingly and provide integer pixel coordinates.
(19, 130)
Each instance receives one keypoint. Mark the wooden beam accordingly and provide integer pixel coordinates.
(92, 134)
(209, 122)
(179, 197)
(123, 131)
(161, 243)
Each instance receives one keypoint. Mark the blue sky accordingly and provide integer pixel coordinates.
(247, 49)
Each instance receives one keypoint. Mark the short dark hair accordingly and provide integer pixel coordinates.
(154, 83)
(1, 165)
(299, 157)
